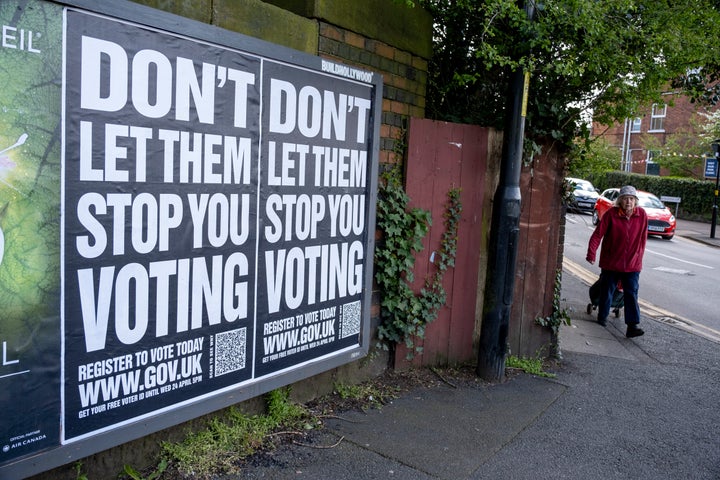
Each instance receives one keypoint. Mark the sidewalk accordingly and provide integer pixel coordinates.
(699, 232)
(641, 409)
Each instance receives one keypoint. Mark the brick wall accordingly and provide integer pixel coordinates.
(384, 37)
(404, 78)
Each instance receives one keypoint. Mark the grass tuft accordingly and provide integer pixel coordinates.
(533, 366)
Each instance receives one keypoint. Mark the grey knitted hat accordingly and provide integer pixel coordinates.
(628, 190)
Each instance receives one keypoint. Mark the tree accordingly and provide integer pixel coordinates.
(593, 159)
(606, 58)
(681, 154)
(710, 128)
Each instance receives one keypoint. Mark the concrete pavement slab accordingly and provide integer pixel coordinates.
(590, 337)
(328, 457)
(435, 433)
(449, 433)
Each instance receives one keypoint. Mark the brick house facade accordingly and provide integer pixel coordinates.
(641, 138)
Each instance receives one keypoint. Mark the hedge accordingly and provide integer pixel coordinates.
(697, 196)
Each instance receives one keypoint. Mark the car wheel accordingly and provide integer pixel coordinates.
(669, 237)
(595, 219)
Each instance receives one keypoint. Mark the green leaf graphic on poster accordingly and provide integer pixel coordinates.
(30, 75)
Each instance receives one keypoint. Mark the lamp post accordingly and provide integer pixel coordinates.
(716, 152)
(505, 230)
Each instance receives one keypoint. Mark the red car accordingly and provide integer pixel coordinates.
(661, 221)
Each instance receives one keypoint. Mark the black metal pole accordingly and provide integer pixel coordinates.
(715, 200)
(713, 222)
(504, 232)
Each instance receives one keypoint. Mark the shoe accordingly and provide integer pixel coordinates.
(634, 331)
(603, 322)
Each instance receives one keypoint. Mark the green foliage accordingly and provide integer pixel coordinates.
(606, 58)
(225, 441)
(219, 445)
(681, 153)
(559, 315)
(366, 394)
(533, 366)
(404, 314)
(135, 475)
(79, 474)
(282, 411)
(403, 231)
(697, 195)
(593, 157)
(710, 127)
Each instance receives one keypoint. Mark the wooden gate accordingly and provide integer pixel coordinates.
(539, 252)
(442, 156)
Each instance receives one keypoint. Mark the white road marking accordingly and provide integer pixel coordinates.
(650, 310)
(679, 259)
(673, 270)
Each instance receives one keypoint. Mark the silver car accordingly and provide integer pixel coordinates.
(583, 195)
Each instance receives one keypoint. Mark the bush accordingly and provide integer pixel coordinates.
(697, 195)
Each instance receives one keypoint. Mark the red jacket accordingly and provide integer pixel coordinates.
(623, 240)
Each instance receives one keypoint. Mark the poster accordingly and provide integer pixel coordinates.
(30, 124)
(188, 219)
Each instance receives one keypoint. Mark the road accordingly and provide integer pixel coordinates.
(679, 281)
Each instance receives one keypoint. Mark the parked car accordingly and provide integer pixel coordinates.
(661, 221)
(583, 196)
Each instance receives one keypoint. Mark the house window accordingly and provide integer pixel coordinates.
(652, 168)
(657, 117)
(636, 124)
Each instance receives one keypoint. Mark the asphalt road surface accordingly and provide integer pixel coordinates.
(680, 281)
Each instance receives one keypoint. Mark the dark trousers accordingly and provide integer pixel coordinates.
(630, 282)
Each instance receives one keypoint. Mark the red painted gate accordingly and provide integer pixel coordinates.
(442, 156)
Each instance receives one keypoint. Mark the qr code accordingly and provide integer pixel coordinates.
(230, 351)
(350, 321)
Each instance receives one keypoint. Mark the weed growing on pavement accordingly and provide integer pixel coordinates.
(366, 395)
(533, 366)
(135, 475)
(282, 411)
(226, 441)
(220, 445)
(79, 474)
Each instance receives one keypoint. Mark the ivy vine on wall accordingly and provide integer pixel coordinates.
(559, 315)
(404, 314)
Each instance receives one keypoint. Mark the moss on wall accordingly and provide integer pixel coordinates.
(200, 10)
(249, 17)
(391, 22)
(261, 20)
(294, 23)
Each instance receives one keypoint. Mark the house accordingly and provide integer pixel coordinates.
(663, 139)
